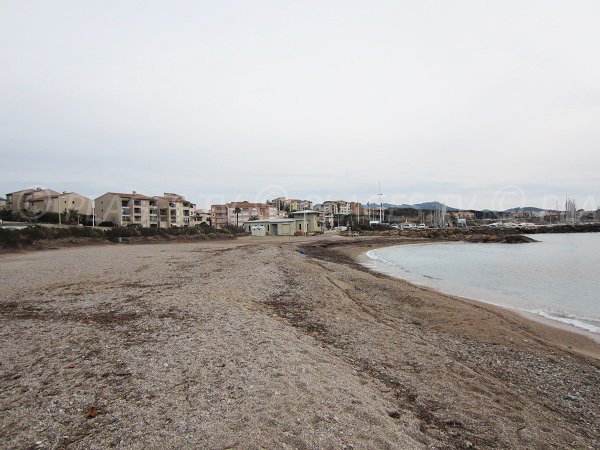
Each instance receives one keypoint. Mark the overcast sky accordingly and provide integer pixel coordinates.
(482, 104)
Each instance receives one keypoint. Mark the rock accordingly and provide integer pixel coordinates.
(91, 412)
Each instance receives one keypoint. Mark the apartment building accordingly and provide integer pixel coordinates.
(127, 209)
(335, 209)
(19, 200)
(290, 204)
(200, 217)
(356, 209)
(174, 210)
(219, 216)
(39, 201)
(222, 215)
(2, 203)
(55, 203)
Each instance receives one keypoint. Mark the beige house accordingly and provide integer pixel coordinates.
(39, 201)
(127, 209)
(67, 201)
(174, 210)
(301, 222)
(200, 217)
(19, 200)
(310, 220)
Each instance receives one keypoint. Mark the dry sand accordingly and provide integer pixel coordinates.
(249, 344)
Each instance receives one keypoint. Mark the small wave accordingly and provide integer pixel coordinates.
(591, 325)
(373, 255)
(569, 320)
(431, 277)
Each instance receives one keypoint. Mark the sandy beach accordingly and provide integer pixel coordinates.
(249, 343)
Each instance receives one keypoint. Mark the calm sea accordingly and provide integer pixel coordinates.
(557, 278)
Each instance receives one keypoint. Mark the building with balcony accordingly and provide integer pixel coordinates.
(55, 203)
(219, 216)
(200, 217)
(290, 204)
(222, 215)
(127, 209)
(19, 200)
(39, 201)
(174, 210)
(334, 210)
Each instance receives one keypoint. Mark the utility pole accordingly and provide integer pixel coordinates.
(305, 229)
(58, 202)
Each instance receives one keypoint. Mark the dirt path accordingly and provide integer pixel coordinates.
(249, 343)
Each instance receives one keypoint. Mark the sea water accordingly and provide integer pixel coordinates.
(557, 278)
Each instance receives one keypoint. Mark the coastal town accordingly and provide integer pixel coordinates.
(276, 217)
(249, 331)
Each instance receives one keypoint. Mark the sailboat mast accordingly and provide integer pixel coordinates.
(380, 204)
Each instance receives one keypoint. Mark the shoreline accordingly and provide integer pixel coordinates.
(364, 258)
(565, 336)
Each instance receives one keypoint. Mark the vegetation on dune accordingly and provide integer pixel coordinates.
(26, 237)
(70, 217)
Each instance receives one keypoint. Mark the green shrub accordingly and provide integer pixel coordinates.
(13, 239)
(27, 236)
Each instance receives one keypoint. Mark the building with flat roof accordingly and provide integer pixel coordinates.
(301, 222)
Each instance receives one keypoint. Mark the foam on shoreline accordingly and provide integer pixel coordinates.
(377, 263)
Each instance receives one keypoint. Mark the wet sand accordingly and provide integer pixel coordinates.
(248, 343)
